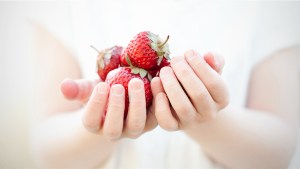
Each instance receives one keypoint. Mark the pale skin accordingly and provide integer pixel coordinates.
(190, 95)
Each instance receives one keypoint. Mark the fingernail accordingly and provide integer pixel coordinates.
(221, 60)
(218, 61)
(69, 88)
(117, 90)
(190, 55)
(136, 84)
(165, 71)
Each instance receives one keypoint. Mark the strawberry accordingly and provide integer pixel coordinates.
(146, 50)
(155, 72)
(123, 75)
(108, 59)
(123, 61)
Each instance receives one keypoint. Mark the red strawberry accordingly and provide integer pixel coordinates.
(108, 59)
(122, 76)
(123, 61)
(146, 51)
(154, 72)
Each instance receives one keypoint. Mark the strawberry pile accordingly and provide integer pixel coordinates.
(144, 56)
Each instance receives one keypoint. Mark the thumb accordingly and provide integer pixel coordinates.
(78, 89)
(216, 61)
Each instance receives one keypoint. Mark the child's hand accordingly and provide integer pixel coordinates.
(194, 89)
(104, 110)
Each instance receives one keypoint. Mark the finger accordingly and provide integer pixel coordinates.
(216, 61)
(95, 108)
(178, 99)
(166, 118)
(194, 87)
(156, 86)
(163, 113)
(113, 123)
(136, 117)
(78, 89)
(69, 89)
(210, 78)
(151, 121)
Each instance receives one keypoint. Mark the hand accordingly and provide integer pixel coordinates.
(191, 91)
(104, 110)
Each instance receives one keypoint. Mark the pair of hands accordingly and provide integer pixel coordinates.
(189, 92)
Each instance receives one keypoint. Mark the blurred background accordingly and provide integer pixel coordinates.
(16, 67)
(15, 73)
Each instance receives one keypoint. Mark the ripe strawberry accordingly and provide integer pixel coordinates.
(108, 59)
(155, 72)
(123, 75)
(146, 50)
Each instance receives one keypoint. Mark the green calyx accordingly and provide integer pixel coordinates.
(103, 56)
(161, 48)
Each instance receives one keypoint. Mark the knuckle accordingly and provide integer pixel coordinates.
(133, 135)
(96, 100)
(165, 122)
(136, 101)
(167, 125)
(89, 125)
(206, 116)
(182, 72)
(171, 85)
(214, 84)
(200, 95)
(182, 109)
(197, 63)
(136, 126)
(113, 107)
(111, 133)
(224, 102)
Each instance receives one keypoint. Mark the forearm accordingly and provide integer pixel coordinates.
(61, 141)
(244, 139)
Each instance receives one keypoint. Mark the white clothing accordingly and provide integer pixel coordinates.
(243, 33)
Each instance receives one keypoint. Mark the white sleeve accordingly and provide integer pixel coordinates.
(277, 27)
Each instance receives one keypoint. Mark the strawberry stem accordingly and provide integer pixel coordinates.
(161, 45)
(93, 47)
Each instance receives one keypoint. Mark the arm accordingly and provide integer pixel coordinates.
(69, 135)
(59, 138)
(262, 135)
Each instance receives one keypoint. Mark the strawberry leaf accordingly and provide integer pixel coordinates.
(167, 56)
(135, 70)
(143, 72)
(101, 63)
(160, 58)
(128, 60)
(149, 76)
(154, 47)
(153, 37)
(107, 55)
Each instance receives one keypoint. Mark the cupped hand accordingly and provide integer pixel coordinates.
(104, 108)
(190, 92)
